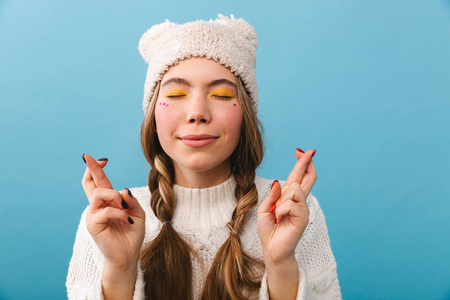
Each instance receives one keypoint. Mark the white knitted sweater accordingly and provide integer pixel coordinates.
(200, 218)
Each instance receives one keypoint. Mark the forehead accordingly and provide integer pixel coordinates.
(199, 71)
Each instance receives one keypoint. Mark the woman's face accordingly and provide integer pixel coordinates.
(198, 116)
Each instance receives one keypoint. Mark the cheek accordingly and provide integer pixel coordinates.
(162, 104)
(231, 118)
(164, 118)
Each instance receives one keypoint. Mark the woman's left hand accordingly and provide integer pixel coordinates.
(284, 214)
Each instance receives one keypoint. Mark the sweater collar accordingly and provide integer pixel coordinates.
(202, 208)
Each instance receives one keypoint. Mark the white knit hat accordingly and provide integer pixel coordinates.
(229, 41)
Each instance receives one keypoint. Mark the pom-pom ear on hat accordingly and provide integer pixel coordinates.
(151, 35)
(245, 30)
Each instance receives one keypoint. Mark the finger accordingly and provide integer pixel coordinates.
(102, 197)
(310, 176)
(132, 204)
(88, 175)
(309, 179)
(110, 213)
(291, 209)
(98, 175)
(294, 193)
(274, 195)
(88, 182)
(298, 171)
(298, 153)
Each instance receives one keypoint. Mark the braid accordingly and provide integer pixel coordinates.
(246, 265)
(162, 201)
(166, 260)
(234, 274)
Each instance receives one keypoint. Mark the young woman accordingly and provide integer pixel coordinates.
(204, 227)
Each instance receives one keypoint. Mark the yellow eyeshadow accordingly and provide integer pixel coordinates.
(222, 93)
(176, 93)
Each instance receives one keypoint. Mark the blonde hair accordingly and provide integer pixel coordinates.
(166, 260)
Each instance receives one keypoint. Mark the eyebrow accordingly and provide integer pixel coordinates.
(222, 81)
(183, 81)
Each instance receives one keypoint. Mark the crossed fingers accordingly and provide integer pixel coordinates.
(103, 199)
(298, 184)
(291, 199)
(94, 176)
(303, 172)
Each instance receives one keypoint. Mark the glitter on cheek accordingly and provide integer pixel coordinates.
(234, 104)
(167, 104)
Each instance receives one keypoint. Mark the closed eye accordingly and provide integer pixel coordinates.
(222, 94)
(176, 93)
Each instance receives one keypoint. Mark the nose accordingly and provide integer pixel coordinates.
(198, 110)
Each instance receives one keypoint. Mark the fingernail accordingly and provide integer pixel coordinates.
(83, 158)
(273, 183)
(124, 204)
(272, 209)
(275, 220)
(300, 150)
(129, 193)
(314, 153)
(130, 220)
(102, 159)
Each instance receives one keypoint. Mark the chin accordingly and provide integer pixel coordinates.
(200, 166)
(203, 164)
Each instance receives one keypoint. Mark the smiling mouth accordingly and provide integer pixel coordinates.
(198, 140)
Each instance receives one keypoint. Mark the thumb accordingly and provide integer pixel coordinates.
(272, 198)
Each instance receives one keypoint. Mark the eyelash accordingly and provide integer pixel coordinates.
(222, 97)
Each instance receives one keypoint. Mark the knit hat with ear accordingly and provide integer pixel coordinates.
(229, 41)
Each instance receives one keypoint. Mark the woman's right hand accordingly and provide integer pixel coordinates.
(114, 219)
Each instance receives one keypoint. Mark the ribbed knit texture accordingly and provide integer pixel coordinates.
(200, 218)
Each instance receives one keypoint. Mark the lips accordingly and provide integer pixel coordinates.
(198, 140)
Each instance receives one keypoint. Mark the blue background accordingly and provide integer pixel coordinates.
(366, 83)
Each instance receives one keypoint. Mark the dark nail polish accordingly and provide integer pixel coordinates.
(129, 193)
(130, 220)
(102, 159)
(314, 153)
(300, 150)
(275, 220)
(124, 204)
(273, 183)
(83, 158)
